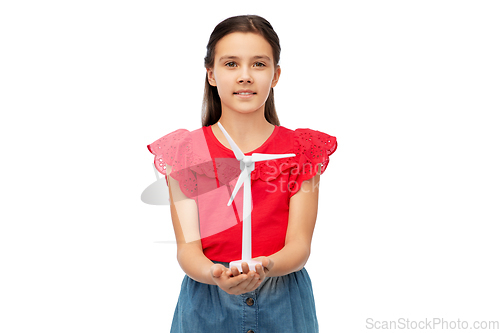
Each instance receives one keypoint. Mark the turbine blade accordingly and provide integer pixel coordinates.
(256, 157)
(237, 152)
(239, 182)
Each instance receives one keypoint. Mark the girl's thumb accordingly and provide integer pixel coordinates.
(218, 272)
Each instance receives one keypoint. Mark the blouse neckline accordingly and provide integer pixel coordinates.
(209, 131)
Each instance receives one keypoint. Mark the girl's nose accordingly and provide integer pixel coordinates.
(245, 77)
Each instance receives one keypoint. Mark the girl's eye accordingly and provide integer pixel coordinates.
(233, 64)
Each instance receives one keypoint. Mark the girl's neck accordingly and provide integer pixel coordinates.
(248, 131)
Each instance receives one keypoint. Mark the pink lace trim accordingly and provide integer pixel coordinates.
(312, 149)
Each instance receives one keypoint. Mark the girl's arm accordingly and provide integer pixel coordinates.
(190, 251)
(301, 221)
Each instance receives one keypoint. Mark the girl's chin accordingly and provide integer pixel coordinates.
(241, 110)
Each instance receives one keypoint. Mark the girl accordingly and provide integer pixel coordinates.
(242, 69)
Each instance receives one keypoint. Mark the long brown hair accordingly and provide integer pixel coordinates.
(212, 109)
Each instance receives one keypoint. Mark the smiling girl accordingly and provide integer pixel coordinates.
(242, 69)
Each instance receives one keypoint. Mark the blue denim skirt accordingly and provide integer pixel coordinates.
(279, 304)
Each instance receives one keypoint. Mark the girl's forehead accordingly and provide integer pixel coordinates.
(243, 44)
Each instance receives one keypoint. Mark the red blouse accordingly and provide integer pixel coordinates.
(207, 172)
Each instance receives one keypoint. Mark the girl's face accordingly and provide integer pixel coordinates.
(243, 72)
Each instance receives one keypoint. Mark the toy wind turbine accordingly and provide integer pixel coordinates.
(247, 165)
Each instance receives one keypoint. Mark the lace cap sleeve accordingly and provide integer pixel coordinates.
(313, 149)
(175, 150)
(168, 149)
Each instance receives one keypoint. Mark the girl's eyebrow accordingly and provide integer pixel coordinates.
(235, 57)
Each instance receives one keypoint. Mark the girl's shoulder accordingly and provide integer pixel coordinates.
(312, 151)
(313, 145)
(180, 149)
(182, 153)
(166, 148)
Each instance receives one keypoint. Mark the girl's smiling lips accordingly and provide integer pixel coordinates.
(244, 93)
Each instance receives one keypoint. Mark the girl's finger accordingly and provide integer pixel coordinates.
(247, 285)
(237, 282)
(260, 270)
(224, 273)
(265, 262)
(235, 271)
(215, 272)
(251, 281)
(255, 282)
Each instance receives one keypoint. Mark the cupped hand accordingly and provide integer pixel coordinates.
(232, 281)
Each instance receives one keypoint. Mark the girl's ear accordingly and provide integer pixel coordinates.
(211, 78)
(276, 76)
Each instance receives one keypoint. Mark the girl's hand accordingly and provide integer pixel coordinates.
(232, 281)
(264, 269)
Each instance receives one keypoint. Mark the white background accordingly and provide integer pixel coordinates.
(409, 206)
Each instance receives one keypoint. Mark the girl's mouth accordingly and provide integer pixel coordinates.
(245, 95)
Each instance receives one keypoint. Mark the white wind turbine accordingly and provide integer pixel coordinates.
(247, 165)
